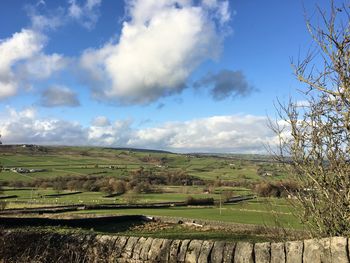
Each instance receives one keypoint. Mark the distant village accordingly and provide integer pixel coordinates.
(24, 170)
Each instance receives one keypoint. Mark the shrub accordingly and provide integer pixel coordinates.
(279, 189)
(199, 201)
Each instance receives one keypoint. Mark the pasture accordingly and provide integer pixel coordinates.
(212, 177)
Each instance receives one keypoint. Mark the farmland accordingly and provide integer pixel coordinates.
(202, 177)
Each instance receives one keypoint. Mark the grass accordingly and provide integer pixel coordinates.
(246, 213)
(68, 161)
(65, 161)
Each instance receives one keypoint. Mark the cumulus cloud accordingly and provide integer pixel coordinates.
(237, 133)
(86, 14)
(42, 66)
(159, 47)
(56, 96)
(23, 61)
(225, 84)
(24, 127)
(22, 45)
(43, 22)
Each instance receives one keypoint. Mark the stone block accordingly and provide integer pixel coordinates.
(193, 251)
(244, 253)
(138, 247)
(278, 254)
(153, 254)
(183, 249)
(120, 244)
(129, 247)
(205, 251)
(262, 252)
(217, 251)
(294, 252)
(312, 251)
(228, 253)
(165, 250)
(174, 248)
(145, 249)
(339, 249)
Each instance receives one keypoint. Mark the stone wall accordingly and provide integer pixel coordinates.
(104, 248)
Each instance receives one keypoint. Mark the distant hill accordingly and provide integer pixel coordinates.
(136, 150)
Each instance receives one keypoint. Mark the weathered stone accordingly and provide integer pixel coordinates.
(183, 249)
(106, 247)
(278, 254)
(339, 249)
(244, 253)
(193, 250)
(205, 251)
(119, 245)
(262, 252)
(138, 247)
(145, 249)
(153, 253)
(325, 250)
(228, 252)
(312, 251)
(128, 249)
(294, 252)
(165, 251)
(334, 249)
(217, 251)
(174, 247)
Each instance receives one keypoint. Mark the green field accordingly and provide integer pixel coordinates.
(214, 172)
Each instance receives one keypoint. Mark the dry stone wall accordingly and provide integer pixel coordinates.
(105, 248)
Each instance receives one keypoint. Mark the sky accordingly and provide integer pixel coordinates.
(176, 75)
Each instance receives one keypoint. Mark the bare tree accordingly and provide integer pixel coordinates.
(314, 136)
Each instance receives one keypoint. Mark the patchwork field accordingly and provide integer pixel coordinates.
(37, 176)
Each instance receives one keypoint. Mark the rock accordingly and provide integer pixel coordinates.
(217, 251)
(262, 252)
(278, 254)
(294, 252)
(165, 251)
(138, 247)
(244, 253)
(193, 250)
(339, 249)
(145, 249)
(153, 254)
(205, 251)
(128, 249)
(183, 249)
(228, 252)
(174, 247)
(312, 251)
(119, 245)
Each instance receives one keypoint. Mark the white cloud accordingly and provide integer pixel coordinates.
(42, 66)
(159, 47)
(237, 133)
(23, 60)
(25, 127)
(86, 14)
(221, 9)
(22, 45)
(42, 22)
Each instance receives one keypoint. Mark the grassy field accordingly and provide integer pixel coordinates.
(65, 161)
(118, 163)
(252, 212)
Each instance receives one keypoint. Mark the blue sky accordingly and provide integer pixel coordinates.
(184, 76)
